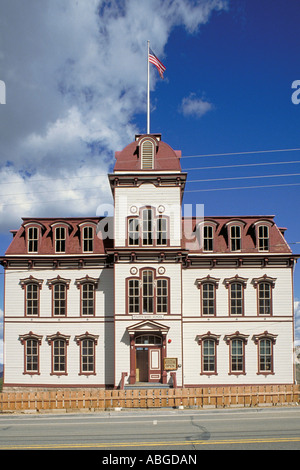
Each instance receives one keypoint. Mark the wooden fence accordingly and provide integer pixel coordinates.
(100, 399)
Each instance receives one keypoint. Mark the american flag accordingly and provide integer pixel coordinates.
(159, 65)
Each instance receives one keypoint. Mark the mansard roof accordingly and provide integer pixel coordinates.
(129, 159)
(47, 227)
(191, 227)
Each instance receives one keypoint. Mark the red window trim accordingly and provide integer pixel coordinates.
(215, 339)
(228, 284)
(272, 339)
(55, 281)
(24, 284)
(264, 280)
(94, 339)
(140, 279)
(24, 339)
(80, 283)
(200, 283)
(51, 339)
(229, 338)
(155, 218)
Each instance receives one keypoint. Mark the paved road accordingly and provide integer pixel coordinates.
(155, 430)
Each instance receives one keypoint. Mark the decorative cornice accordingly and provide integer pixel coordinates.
(264, 335)
(236, 335)
(235, 278)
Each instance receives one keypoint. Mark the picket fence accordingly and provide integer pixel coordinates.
(100, 399)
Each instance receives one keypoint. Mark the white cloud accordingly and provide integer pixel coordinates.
(193, 106)
(71, 95)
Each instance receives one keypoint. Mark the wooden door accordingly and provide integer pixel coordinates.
(154, 364)
(142, 364)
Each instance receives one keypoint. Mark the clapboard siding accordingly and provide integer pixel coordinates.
(283, 353)
(281, 294)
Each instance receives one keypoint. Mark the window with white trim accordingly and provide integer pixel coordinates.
(208, 237)
(263, 238)
(60, 239)
(33, 238)
(235, 238)
(88, 239)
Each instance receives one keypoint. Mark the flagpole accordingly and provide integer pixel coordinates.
(148, 92)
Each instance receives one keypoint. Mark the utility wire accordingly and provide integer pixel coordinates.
(241, 187)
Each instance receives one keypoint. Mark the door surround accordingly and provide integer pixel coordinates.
(151, 330)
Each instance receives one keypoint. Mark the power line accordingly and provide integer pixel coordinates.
(240, 153)
(241, 165)
(241, 187)
(243, 178)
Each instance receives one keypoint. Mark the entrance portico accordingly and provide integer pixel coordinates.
(147, 352)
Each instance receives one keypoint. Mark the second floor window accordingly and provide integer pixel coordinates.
(148, 294)
(59, 299)
(87, 299)
(32, 299)
(264, 298)
(208, 299)
(236, 298)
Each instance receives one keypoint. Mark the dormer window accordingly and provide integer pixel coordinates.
(208, 238)
(263, 238)
(60, 239)
(33, 239)
(147, 154)
(235, 238)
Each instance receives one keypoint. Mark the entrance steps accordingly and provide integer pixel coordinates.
(146, 385)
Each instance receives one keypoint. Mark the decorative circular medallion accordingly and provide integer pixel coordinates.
(133, 270)
(133, 209)
(161, 209)
(161, 270)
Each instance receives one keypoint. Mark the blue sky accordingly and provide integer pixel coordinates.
(75, 75)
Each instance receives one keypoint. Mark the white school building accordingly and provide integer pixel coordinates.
(148, 296)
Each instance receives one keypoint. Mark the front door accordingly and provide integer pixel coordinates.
(142, 364)
(154, 364)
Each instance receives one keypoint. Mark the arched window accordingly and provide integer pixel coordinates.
(147, 293)
(236, 286)
(264, 286)
(147, 155)
(59, 345)
(59, 287)
(32, 289)
(87, 343)
(237, 343)
(208, 286)
(31, 344)
(208, 343)
(87, 286)
(265, 342)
